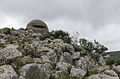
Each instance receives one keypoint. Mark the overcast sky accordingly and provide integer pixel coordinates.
(93, 19)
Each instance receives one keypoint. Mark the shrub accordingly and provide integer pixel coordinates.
(6, 30)
(16, 62)
(95, 57)
(95, 46)
(110, 61)
(59, 34)
(86, 45)
(99, 48)
(44, 36)
(92, 72)
(21, 28)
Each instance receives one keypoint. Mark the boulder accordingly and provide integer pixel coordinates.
(66, 57)
(76, 56)
(101, 69)
(62, 69)
(77, 47)
(102, 76)
(117, 69)
(63, 66)
(85, 63)
(9, 52)
(101, 60)
(77, 73)
(36, 71)
(37, 26)
(111, 73)
(7, 72)
(45, 58)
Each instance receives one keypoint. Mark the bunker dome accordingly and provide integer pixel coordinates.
(37, 26)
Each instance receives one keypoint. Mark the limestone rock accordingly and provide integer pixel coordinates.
(76, 56)
(117, 69)
(78, 73)
(63, 66)
(101, 76)
(85, 63)
(77, 47)
(37, 26)
(62, 69)
(45, 58)
(101, 68)
(101, 60)
(7, 72)
(110, 73)
(9, 52)
(66, 57)
(36, 71)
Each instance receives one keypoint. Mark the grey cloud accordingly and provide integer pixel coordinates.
(92, 18)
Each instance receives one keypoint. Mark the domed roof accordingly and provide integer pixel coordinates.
(37, 26)
(37, 23)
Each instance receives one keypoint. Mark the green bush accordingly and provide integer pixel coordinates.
(44, 36)
(110, 61)
(85, 44)
(59, 34)
(6, 30)
(95, 57)
(92, 72)
(17, 62)
(94, 47)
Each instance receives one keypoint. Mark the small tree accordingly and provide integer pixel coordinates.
(86, 45)
(94, 47)
(99, 48)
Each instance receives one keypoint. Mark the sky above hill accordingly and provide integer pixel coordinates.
(93, 19)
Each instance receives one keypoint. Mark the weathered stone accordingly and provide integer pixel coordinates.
(37, 26)
(100, 69)
(101, 76)
(62, 69)
(21, 77)
(64, 46)
(61, 74)
(63, 66)
(36, 71)
(78, 73)
(7, 72)
(76, 56)
(117, 69)
(85, 63)
(101, 60)
(77, 47)
(66, 57)
(110, 73)
(9, 52)
(45, 58)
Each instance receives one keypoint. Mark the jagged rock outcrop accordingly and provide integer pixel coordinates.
(28, 54)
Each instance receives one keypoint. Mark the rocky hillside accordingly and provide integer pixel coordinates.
(31, 54)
